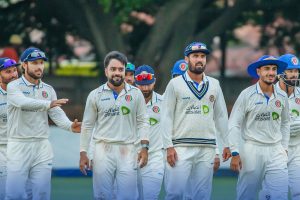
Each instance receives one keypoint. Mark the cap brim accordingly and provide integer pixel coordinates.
(14, 65)
(144, 82)
(33, 59)
(281, 66)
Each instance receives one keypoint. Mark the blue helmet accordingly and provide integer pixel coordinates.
(179, 68)
(291, 60)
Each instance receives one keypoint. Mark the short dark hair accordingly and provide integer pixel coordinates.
(115, 55)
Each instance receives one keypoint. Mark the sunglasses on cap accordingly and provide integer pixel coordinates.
(142, 77)
(35, 54)
(8, 63)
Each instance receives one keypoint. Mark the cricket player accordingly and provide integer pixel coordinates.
(152, 174)
(129, 73)
(194, 112)
(8, 73)
(115, 114)
(29, 153)
(260, 116)
(289, 83)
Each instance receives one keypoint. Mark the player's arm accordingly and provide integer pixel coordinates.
(16, 98)
(167, 118)
(221, 123)
(142, 129)
(285, 125)
(234, 130)
(88, 123)
(60, 118)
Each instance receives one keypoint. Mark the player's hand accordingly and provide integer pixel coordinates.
(216, 163)
(58, 102)
(84, 163)
(171, 156)
(76, 126)
(226, 154)
(143, 157)
(236, 163)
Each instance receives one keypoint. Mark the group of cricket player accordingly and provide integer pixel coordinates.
(135, 140)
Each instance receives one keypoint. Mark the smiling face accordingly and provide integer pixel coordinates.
(9, 74)
(115, 72)
(267, 73)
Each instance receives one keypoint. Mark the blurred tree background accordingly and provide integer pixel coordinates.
(152, 32)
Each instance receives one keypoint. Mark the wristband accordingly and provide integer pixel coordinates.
(235, 153)
(145, 145)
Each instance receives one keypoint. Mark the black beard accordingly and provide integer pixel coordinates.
(148, 94)
(116, 83)
(32, 75)
(197, 70)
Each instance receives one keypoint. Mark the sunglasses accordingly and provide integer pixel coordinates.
(142, 77)
(35, 54)
(8, 63)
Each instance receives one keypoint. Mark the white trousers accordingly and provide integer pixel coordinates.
(152, 175)
(29, 166)
(263, 167)
(194, 164)
(294, 171)
(115, 162)
(3, 163)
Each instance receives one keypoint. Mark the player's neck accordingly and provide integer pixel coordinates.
(148, 98)
(284, 87)
(4, 86)
(117, 89)
(195, 77)
(32, 80)
(266, 88)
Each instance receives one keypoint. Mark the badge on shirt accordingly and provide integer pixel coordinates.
(44, 94)
(155, 109)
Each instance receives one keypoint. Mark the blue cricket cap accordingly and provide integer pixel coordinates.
(7, 63)
(196, 47)
(291, 60)
(179, 68)
(33, 53)
(144, 75)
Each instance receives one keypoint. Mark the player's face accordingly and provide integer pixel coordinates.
(115, 72)
(34, 69)
(129, 77)
(267, 73)
(9, 74)
(291, 75)
(147, 89)
(196, 62)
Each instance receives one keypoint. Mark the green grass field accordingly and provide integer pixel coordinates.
(81, 188)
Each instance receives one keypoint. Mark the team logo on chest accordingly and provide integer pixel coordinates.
(128, 98)
(212, 98)
(155, 109)
(44, 94)
(297, 100)
(277, 104)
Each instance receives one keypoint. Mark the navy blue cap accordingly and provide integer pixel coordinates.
(291, 60)
(179, 67)
(7, 63)
(33, 53)
(266, 60)
(196, 47)
(144, 75)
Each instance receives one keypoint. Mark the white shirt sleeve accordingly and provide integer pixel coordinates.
(285, 125)
(16, 98)
(167, 115)
(58, 116)
(88, 122)
(221, 118)
(142, 118)
(235, 123)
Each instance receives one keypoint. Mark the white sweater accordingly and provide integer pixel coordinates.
(259, 119)
(193, 117)
(3, 116)
(28, 110)
(122, 120)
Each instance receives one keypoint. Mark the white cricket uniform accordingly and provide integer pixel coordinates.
(3, 142)
(191, 118)
(29, 152)
(263, 124)
(294, 146)
(152, 174)
(115, 124)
